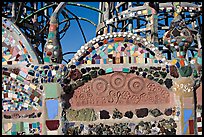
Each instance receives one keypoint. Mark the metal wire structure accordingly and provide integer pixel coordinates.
(33, 19)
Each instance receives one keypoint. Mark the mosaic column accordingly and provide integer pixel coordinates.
(52, 109)
(53, 49)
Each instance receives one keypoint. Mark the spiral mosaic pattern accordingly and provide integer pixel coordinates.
(99, 85)
(117, 80)
(136, 84)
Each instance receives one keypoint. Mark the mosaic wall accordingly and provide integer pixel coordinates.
(23, 77)
(118, 48)
(18, 92)
(121, 52)
(157, 127)
(22, 128)
(23, 89)
(15, 48)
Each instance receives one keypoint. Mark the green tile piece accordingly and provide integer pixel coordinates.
(26, 125)
(199, 60)
(35, 93)
(46, 59)
(126, 70)
(20, 78)
(115, 45)
(109, 70)
(43, 74)
(51, 90)
(13, 133)
(102, 54)
(38, 124)
(9, 132)
(3, 130)
(110, 50)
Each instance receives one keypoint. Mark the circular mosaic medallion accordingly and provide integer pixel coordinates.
(99, 85)
(117, 80)
(136, 84)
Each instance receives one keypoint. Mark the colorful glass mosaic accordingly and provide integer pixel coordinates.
(119, 53)
(15, 48)
(28, 128)
(119, 66)
(114, 49)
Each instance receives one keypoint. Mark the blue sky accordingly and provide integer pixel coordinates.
(73, 39)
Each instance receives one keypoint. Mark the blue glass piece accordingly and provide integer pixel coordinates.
(111, 40)
(173, 40)
(178, 64)
(65, 68)
(3, 60)
(87, 52)
(49, 79)
(37, 74)
(131, 41)
(92, 48)
(100, 43)
(36, 67)
(97, 61)
(77, 63)
(46, 67)
(52, 108)
(187, 115)
(104, 61)
(58, 80)
(80, 58)
(56, 67)
(181, 44)
(167, 70)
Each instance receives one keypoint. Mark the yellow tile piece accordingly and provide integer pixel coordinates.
(110, 46)
(110, 52)
(144, 12)
(117, 60)
(15, 62)
(137, 60)
(173, 62)
(124, 60)
(7, 57)
(10, 125)
(135, 54)
(4, 63)
(88, 62)
(32, 86)
(131, 53)
(3, 39)
(118, 54)
(110, 60)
